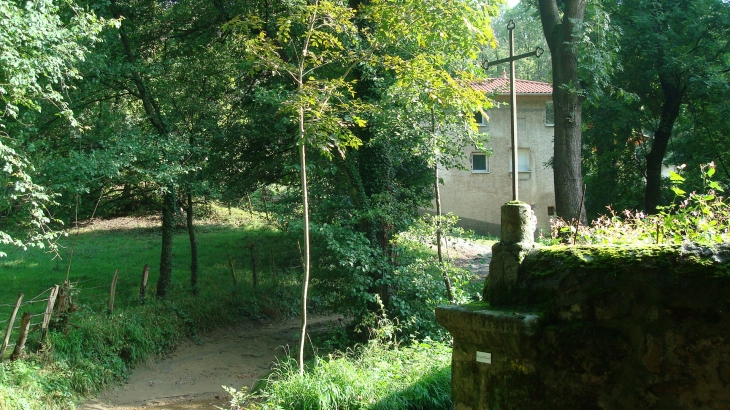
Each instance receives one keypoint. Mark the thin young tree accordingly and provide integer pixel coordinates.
(315, 48)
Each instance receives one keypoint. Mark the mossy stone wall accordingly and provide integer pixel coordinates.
(599, 328)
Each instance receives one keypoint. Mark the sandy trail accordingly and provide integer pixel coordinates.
(191, 378)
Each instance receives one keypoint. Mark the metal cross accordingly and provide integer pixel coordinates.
(513, 98)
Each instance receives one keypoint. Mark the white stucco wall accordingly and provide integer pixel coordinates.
(477, 197)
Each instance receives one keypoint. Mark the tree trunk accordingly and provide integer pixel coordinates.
(193, 246)
(168, 230)
(154, 114)
(447, 281)
(305, 202)
(655, 158)
(568, 102)
(439, 232)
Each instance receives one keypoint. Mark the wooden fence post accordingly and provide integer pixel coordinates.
(49, 310)
(112, 291)
(250, 207)
(143, 286)
(255, 278)
(10, 327)
(64, 306)
(233, 272)
(61, 299)
(266, 208)
(273, 263)
(20, 345)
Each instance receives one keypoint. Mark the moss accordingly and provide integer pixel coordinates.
(549, 273)
(481, 305)
(604, 259)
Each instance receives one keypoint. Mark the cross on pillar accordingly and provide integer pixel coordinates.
(513, 99)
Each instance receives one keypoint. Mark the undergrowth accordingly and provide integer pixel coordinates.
(378, 375)
(701, 218)
(99, 349)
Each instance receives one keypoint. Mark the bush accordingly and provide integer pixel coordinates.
(702, 218)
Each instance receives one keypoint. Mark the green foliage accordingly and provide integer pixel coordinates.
(664, 99)
(23, 205)
(528, 36)
(352, 276)
(379, 375)
(94, 353)
(702, 218)
(42, 44)
(316, 46)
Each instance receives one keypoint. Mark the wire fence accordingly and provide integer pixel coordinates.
(32, 317)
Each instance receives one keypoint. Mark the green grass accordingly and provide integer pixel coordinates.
(375, 376)
(100, 348)
(98, 253)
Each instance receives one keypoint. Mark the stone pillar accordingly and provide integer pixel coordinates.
(494, 350)
(516, 241)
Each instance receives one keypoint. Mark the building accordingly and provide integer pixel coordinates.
(477, 194)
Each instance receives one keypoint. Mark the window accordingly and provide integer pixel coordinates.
(479, 163)
(481, 119)
(549, 114)
(521, 125)
(523, 159)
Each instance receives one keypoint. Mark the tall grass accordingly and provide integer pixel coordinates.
(378, 375)
(375, 376)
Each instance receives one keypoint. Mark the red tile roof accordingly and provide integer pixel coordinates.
(522, 87)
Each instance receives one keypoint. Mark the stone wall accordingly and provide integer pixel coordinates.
(597, 328)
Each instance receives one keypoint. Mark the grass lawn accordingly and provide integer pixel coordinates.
(110, 245)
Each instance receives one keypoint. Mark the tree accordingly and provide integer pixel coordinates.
(328, 57)
(675, 52)
(666, 100)
(316, 48)
(559, 23)
(528, 36)
(432, 49)
(42, 43)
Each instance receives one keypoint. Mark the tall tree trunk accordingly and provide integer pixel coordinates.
(154, 114)
(193, 245)
(305, 202)
(568, 102)
(168, 230)
(439, 237)
(655, 158)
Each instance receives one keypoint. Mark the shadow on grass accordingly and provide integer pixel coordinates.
(431, 392)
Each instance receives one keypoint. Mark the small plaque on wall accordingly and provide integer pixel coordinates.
(483, 357)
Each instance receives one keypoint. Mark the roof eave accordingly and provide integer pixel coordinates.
(531, 94)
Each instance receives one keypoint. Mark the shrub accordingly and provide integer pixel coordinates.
(702, 218)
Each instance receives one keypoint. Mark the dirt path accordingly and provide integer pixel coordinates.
(191, 378)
